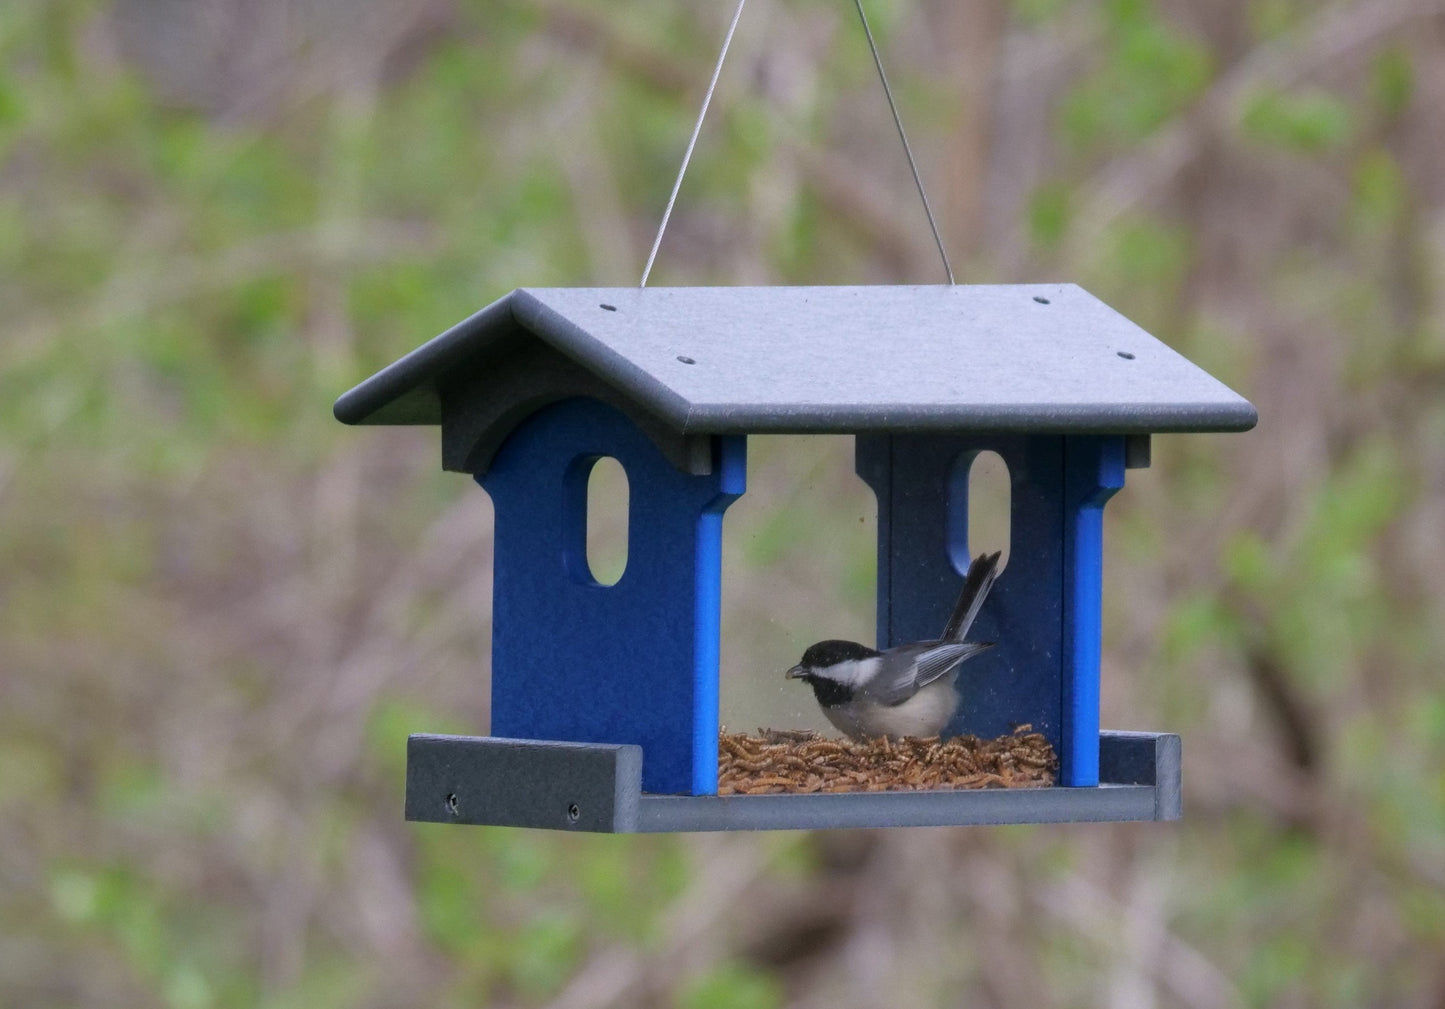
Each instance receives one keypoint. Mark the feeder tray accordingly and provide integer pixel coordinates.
(785, 760)
(598, 787)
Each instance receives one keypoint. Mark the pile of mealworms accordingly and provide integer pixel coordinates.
(781, 760)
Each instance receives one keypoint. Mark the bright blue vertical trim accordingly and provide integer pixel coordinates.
(730, 460)
(1080, 762)
(1093, 472)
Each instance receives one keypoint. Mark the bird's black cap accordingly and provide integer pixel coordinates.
(828, 653)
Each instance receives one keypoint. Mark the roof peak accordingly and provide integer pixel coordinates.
(1039, 358)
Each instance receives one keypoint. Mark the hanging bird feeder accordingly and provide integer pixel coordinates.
(605, 698)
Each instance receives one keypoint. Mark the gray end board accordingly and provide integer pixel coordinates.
(523, 783)
(1146, 758)
(595, 787)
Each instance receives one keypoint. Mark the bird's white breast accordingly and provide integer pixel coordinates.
(923, 714)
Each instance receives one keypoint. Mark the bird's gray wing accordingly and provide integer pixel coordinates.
(909, 669)
(976, 584)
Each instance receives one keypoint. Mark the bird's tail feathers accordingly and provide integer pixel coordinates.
(976, 584)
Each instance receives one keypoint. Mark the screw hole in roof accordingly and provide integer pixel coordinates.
(1126, 355)
(608, 308)
(1041, 299)
(685, 360)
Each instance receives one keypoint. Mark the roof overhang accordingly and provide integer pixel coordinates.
(1034, 358)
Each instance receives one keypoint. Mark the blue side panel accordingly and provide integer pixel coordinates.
(634, 662)
(922, 522)
(1093, 471)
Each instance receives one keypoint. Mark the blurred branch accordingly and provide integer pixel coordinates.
(143, 291)
(859, 202)
(592, 29)
(260, 60)
(210, 654)
(1337, 34)
(1299, 737)
(1195, 979)
(596, 197)
(727, 868)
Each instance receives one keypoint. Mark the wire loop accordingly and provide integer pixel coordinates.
(702, 114)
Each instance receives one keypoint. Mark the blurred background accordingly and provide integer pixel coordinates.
(221, 612)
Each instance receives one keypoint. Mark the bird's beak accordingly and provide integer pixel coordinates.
(796, 673)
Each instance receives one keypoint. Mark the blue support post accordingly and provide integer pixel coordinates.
(1093, 472)
(922, 553)
(635, 662)
(1044, 611)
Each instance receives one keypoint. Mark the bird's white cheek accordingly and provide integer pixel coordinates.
(847, 674)
(857, 672)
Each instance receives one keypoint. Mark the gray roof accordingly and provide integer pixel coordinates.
(1040, 358)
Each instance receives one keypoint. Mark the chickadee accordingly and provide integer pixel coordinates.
(904, 691)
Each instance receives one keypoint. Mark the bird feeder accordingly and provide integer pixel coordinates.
(605, 698)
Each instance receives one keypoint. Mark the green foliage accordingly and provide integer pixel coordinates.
(1380, 193)
(1037, 12)
(1307, 122)
(187, 952)
(1144, 259)
(1194, 623)
(1269, 19)
(1148, 72)
(1393, 75)
(1150, 253)
(546, 950)
(1324, 600)
(221, 614)
(1049, 214)
(731, 986)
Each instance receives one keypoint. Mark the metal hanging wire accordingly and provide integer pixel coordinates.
(898, 121)
(702, 114)
(692, 142)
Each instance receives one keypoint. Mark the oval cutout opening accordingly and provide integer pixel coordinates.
(607, 509)
(981, 508)
(990, 504)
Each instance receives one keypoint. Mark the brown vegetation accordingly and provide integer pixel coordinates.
(221, 612)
